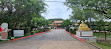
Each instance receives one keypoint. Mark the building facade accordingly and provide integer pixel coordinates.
(56, 24)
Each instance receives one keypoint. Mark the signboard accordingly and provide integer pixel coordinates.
(84, 33)
(87, 33)
(18, 33)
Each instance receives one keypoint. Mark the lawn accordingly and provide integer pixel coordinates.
(104, 44)
(102, 35)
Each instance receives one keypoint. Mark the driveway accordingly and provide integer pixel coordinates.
(54, 39)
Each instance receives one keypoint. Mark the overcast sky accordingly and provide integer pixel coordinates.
(57, 10)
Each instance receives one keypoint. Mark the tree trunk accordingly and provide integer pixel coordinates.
(90, 23)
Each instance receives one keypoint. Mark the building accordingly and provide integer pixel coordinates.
(56, 24)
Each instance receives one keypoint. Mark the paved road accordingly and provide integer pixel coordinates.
(55, 39)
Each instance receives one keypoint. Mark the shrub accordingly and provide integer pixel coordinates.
(10, 34)
(42, 30)
(37, 31)
(33, 32)
(72, 31)
(67, 29)
(27, 34)
(75, 29)
(26, 30)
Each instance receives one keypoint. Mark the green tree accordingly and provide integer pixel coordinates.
(35, 22)
(66, 23)
(83, 15)
(20, 12)
(102, 7)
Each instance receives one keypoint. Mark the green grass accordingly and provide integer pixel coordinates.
(104, 45)
(102, 35)
(27, 34)
(18, 37)
(3, 40)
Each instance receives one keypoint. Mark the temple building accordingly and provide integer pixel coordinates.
(56, 24)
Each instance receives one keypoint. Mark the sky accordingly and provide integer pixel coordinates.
(57, 10)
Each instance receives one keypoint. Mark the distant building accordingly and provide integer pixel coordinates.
(56, 24)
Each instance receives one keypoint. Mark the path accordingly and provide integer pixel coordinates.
(55, 39)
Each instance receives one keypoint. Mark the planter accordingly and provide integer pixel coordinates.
(18, 33)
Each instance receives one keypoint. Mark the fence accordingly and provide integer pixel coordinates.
(102, 31)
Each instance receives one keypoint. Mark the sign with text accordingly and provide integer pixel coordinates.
(18, 33)
(84, 33)
(87, 33)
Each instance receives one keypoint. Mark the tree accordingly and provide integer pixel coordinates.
(39, 22)
(102, 7)
(77, 15)
(66, 23)
(82, 15)
(20, 12)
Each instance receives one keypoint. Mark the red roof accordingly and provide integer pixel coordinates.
(57, 21)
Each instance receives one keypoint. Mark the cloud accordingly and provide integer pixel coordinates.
(57, 10)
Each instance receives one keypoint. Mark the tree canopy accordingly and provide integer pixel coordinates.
(20, 12)
(66, 23)
(39, 22)
(91, 8)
